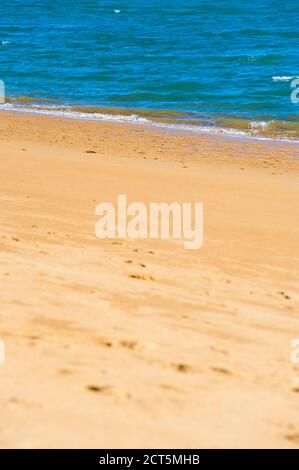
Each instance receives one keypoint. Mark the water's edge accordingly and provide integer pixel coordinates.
(180, 122)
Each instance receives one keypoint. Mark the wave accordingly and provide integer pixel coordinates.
(284, 78)
(69, 112)
(177, 121)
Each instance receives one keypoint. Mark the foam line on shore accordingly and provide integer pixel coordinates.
(67, 112)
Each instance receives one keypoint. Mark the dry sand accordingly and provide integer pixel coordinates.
(143, 343)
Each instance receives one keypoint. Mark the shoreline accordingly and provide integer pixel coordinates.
(240, 147)
(140, 117)
(92, 327)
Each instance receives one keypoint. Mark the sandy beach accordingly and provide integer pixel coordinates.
(141, 343)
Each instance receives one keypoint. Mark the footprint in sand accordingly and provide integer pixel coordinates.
(286, 296)
(183, 368)
(220, 370)
(293, 437)
(33, 337)
(142, 277)
(295, 385)
(128, 344)
(104, 342)
(98, 388)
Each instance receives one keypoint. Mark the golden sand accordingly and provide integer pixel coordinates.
(143, 343)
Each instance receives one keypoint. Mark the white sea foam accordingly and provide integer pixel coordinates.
(283, 78)
(54, 110)
(259, 124)
(68, 112)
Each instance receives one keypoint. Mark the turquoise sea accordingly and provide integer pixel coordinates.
(213, 65)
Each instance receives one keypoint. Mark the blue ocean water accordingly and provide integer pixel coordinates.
(222, 63)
